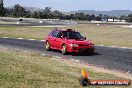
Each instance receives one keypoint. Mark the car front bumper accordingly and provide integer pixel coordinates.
(81, 49)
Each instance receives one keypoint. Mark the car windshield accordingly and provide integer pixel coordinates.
(72, 35)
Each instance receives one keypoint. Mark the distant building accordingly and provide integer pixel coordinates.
(123, 20)
(104, 20)
(112, 20)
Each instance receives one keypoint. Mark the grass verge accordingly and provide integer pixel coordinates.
(22, 69)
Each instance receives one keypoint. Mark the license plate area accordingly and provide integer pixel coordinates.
(83, 49)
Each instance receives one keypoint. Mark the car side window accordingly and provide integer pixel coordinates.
(59, 35)
(51, 33)
(55, 34)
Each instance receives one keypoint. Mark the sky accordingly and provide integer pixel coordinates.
(73, 5)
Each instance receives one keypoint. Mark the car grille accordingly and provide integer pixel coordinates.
(83, 45)
(85, 50)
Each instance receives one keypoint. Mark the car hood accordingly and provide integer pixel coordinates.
(79, 41)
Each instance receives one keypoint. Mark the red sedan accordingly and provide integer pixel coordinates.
(68, 41)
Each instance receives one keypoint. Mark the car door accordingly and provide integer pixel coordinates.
(59, 40)
(53, 39)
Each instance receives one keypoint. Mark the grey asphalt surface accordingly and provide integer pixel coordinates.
(35, 22)
(105, 23)
(111, 58)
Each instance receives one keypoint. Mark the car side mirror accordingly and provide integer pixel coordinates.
(85, 38)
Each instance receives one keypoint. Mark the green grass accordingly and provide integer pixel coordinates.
(107, 35)
(24, 32)
(100, 35)
(22, 69)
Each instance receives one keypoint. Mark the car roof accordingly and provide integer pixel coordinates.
(58, 29)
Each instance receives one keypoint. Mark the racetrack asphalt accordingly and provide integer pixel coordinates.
(107, 57)
(33, 24)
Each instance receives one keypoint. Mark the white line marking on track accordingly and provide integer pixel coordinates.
(54, 56)
(31, 39)
(42, 40)
(77, 60)
(44, 54)
(20, 38)
(59, 57)
(111, 46)
(72, 59)
(4, 37)
(123, 47)
(101, 45)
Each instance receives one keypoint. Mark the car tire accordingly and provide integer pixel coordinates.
(64, 49)
(47, 46)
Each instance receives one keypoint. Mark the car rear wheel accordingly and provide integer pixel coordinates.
(47, 46)
(64, 49)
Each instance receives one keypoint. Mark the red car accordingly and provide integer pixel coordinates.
(68, 41)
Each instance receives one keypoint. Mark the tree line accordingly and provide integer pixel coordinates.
(47, 13)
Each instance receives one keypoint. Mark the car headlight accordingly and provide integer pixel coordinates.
(73, 45)
(92, 45)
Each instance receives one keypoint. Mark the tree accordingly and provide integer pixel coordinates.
(98, 18)
(34, 14)
(129, 18)
(7, 12)
(123, 17)
(2, 10)
(47, 9)
(105, 17)
(28, 14)
(92, 17)
(88, 17)
(19, 11)
(57, 14)
(47, 13)
(80, 16)
(101, 16)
